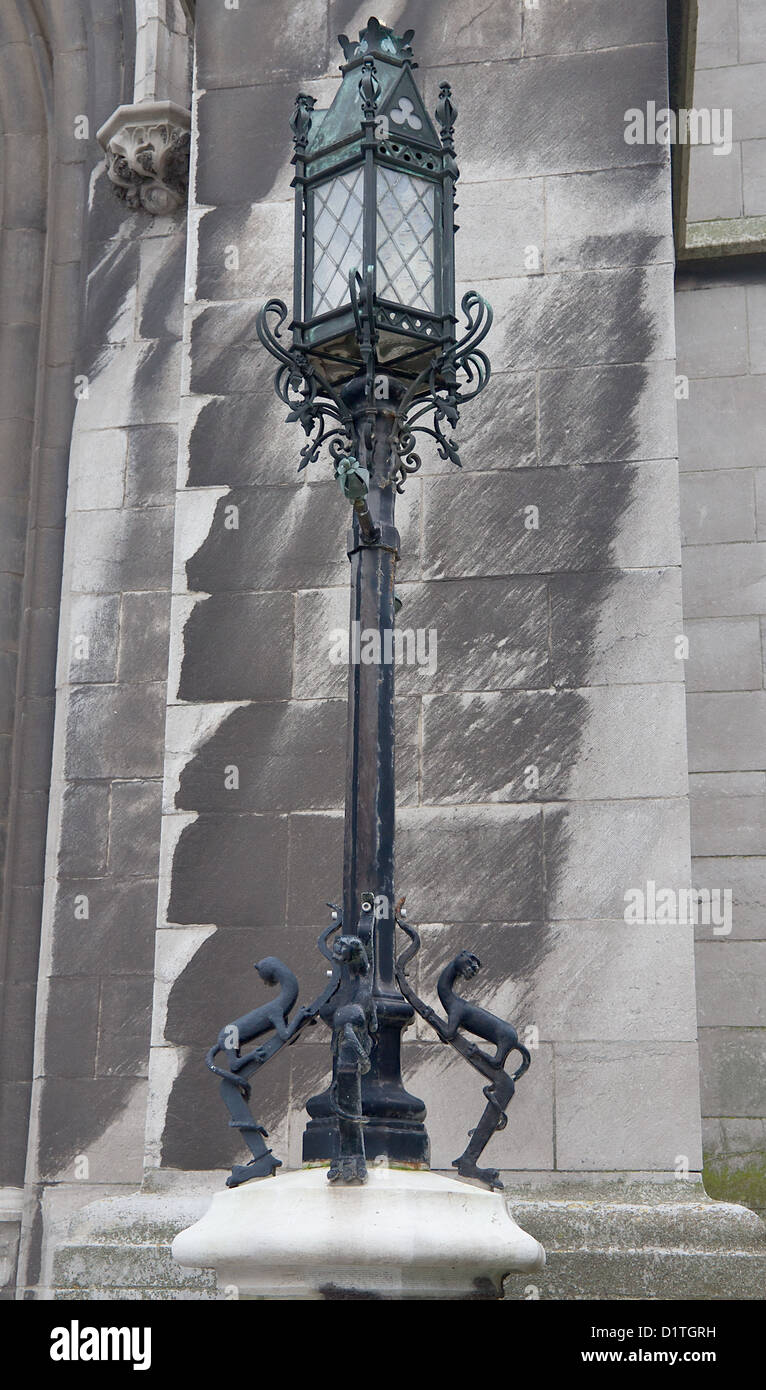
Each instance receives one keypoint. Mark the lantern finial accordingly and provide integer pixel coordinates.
(377, 39)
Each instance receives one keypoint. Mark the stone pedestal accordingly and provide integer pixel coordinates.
(604, 1241)
(404, 1235)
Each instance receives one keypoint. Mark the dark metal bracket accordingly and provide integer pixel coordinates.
(319, 407)
(462, 1013)
(347, 1004)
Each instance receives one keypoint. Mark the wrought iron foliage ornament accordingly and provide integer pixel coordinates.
(457, 375)
(311, 400)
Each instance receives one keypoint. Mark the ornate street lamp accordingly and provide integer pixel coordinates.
(372, 360)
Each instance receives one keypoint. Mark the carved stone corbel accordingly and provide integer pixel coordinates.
(147, 154)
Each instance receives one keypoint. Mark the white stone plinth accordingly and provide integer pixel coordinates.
(404, 1234)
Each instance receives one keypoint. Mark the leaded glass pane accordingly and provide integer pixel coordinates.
(405, 239)
(338, 248)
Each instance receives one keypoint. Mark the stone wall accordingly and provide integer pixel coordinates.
(721, 326)
(197, 765)
(556, 644)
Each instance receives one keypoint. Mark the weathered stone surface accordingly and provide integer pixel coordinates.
(604, 1105)
(160, 287)
(502, 436)
(622, 631)
(154, 370)
(589, 519)
(594, 414)
(134, 828)
(127, 549)
(717, 411)
(450, 860)
(315, 867)
(245, 252)
(746, 878)
(583, 25)
(715, 183)
(255, 43)
(239, 647)
(729, 983)
(717, 507)
(150, 474)
(230, 871)
(729, 825)
(739, 87)
(616, 981)
(647, 839)
(111, 295)
(227, 118)
(760, 503)
(499, 222)
(727, 731)
(724, 580)
(97, 1118)
(286, 537)
(756, 320)
(598, 744)
(732, 1070)
(655, 1274)
(580, 318)
(124, 1026)
(454, 1103)
(288, 756)
(724, 654)
(712, 331)
(485, 31)
(7, 690)
(94, 631)
(754, 178)
(734, 1164)
(36, 744)
(84, 830)
(259, 446)
(752, 32)
(96, 713)
(118, 930)
(41, 636)
(717, 34)
(633, 228)
(144, 624)
(558, 115)
(70, 1048)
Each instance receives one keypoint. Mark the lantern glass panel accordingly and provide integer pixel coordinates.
(338, 210)
(405, 239)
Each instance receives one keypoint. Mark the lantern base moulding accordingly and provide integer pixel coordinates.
(405, 1234)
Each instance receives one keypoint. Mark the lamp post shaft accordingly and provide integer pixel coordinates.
(393, 1119)
(368, 862)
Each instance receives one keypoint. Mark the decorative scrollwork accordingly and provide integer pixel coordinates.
(369, 89)
(309, 396)
(439, 389)
(463, 1014)
(455, 376)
